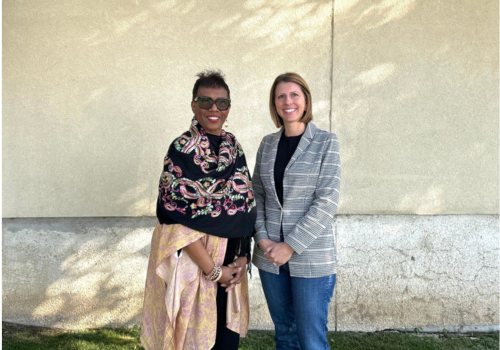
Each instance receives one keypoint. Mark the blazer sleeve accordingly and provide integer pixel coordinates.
(260, 198)
(325, 204)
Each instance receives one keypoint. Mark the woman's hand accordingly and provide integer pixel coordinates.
(266, 243)
(278, 253)
(240, 264)
(228, 274)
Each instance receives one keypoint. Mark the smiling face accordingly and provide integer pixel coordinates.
(212, 119)
(290, 102)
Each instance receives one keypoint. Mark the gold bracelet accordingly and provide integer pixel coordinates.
(212, 273)
(219, 276)
(216, 272)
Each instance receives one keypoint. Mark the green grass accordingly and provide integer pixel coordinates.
(20, 337)
(410, 341)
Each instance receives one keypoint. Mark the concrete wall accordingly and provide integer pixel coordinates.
(410, 271)
(93, 93)
(432, 272)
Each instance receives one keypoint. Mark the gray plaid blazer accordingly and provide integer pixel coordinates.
(310, 198)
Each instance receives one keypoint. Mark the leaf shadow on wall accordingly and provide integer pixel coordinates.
(76, 272)
(405, 96)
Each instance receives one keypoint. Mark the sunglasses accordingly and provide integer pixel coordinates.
(207, 103)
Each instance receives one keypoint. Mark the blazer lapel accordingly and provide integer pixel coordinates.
(305, 140)
(272, 159)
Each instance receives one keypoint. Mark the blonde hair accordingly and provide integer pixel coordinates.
(290, 78)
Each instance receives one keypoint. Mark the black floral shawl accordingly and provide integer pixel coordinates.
(204, 189)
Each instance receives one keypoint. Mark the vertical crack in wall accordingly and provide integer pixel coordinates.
(330, 114)
(335, 304)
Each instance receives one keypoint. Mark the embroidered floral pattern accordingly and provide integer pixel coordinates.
(225, 188)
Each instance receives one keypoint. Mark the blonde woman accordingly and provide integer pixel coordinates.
(296, 183)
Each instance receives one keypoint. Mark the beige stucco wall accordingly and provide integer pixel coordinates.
(415, 102)
(93, 93)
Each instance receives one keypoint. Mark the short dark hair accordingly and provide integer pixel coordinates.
(212, 79)
(290, 78)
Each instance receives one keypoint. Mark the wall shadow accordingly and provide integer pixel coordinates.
(407, 80)
(75, 272)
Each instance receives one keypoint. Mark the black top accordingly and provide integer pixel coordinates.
(286, 149)
(214, 142)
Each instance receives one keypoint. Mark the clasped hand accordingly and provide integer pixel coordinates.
(276, 253)
(233, 273)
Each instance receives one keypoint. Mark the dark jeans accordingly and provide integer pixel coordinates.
(299, 309)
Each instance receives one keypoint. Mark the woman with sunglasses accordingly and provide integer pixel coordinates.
(296, 183)
(196, 293)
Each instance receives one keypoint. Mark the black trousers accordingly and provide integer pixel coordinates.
(225, 338)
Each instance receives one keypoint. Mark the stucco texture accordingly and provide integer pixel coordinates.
(94, 92)
(415, 104)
